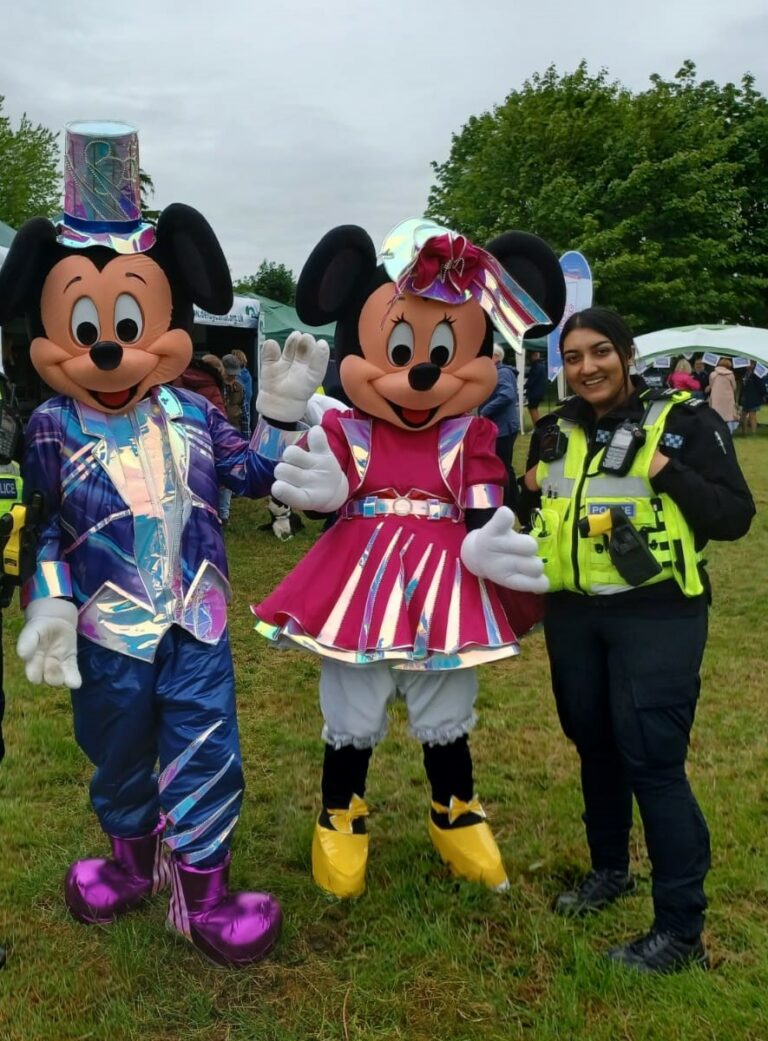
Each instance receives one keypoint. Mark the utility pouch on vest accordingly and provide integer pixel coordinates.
(545, 528)
(629, 552)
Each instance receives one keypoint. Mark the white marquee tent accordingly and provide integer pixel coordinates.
(737, 341)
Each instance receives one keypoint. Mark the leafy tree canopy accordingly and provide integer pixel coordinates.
(30, 183)
(664, 191)
(272, 280)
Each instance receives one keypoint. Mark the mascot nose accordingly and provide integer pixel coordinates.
(424, 376)
(106, 354)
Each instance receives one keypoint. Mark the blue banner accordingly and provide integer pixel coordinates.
(578, 295)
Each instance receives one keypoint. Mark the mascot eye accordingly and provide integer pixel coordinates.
(442, 346)
(129, 320)
(85, 322)
(400, 344)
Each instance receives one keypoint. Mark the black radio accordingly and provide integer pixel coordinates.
(626, 440)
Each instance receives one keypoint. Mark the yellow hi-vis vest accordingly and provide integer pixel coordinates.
(573, 487)
(11, 487)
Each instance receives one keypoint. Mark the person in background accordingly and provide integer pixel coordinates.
(247, 381)
(502, 408)
(722, 393)
(234, 396)
(701, 375)
(535, 385)
(682, 378)
(205, 376)
(625, 620)
(753, 395)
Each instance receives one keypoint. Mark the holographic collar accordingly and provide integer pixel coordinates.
(425, 259)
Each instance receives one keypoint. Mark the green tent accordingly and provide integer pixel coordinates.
(280, 320)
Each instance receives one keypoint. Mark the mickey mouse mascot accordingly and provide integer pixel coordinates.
(128, 605)
(407, 587)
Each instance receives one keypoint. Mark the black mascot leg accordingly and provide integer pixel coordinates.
(449, 770)
(340, 840)
(345, 771)
(457, 825)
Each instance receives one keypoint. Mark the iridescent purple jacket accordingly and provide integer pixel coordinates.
(132, 531)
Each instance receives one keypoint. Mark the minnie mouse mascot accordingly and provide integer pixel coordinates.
(407, 592)
(128, 605)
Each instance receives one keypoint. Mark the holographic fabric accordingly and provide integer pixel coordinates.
(387, 580)
(102, 189)
(133, 523)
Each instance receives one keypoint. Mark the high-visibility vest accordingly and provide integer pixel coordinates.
(573, 487)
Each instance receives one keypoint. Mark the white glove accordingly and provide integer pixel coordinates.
(288, 380)
(48, 642)
(311, 479)
(502, 555)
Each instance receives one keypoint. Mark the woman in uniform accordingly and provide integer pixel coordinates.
(623, 488)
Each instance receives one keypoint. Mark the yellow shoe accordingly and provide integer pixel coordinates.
(470, 851)
(339, 856)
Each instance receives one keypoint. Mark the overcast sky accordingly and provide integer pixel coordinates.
(280, 120)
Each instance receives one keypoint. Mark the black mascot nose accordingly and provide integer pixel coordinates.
(106, 354)
(424, 376)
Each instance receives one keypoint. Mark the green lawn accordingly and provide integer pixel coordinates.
(419, 956)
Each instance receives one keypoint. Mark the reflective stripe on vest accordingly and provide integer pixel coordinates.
(573, 487)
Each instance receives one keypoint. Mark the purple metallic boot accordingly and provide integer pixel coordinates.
(231, 929)
(98, 891)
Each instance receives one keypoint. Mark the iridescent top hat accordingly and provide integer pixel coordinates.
(102, 192)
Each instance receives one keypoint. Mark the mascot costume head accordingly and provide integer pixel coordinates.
(109, 297)
(423, 576)
(128, 601)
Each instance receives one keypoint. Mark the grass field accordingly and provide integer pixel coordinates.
(419, 956)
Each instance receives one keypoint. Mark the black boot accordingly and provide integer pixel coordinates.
(660, 952)
(598, 890)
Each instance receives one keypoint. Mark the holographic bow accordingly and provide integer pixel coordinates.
(425, 259)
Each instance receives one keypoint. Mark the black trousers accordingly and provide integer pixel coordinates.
(626, 682)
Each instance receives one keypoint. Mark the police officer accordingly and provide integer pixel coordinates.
(624, 487)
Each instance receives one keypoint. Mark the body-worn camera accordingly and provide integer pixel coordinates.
(553, 444)
(626, 440)
(10, 432)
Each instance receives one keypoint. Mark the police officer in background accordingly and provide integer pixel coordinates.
(623, 488)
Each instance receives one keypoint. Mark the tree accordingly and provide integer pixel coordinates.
(272, 280)
(30, 184)
(664, 191)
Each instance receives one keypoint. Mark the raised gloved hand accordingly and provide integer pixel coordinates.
(48, 642)
(311, 478)
(500, 554)
(288, 379)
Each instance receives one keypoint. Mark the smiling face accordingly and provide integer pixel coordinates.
(107, 332)
(421, 365)
(594, 369)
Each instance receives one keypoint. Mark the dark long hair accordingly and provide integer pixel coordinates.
(609, 324)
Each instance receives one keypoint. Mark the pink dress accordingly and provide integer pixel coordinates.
(390, 585)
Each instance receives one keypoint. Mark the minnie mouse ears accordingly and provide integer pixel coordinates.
(335, 274)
